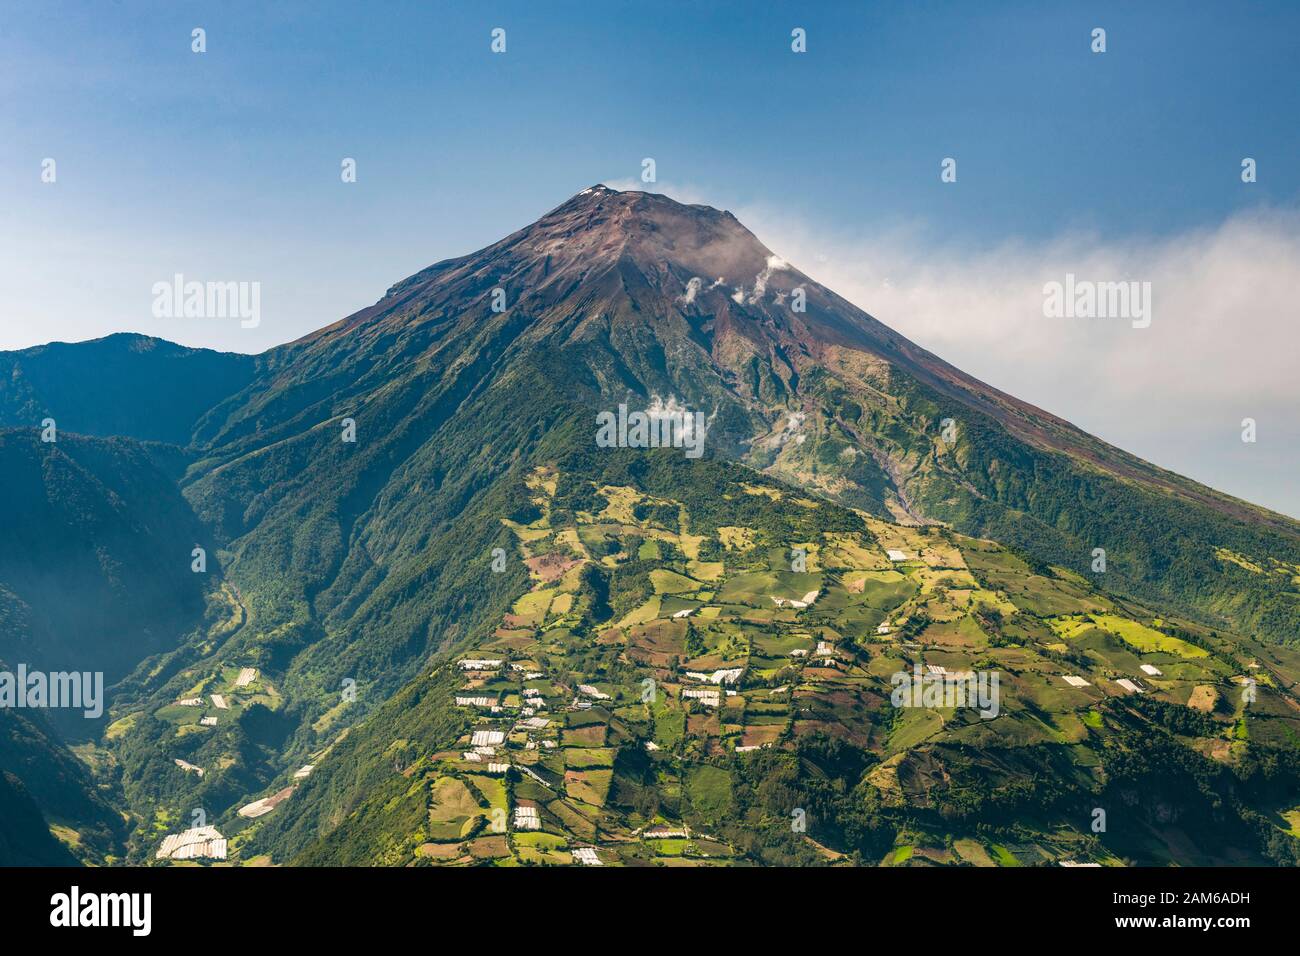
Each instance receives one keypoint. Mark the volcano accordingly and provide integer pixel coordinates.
(422, 481)
(628, 296)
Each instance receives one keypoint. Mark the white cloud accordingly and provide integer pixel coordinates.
(692, 290)
(1222, 344)
(774, 264)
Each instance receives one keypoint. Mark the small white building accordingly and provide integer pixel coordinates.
(194, 844)
(709, 698)
(527, 818)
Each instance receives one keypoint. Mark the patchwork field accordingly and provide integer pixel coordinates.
(644, 739)
(675, 686)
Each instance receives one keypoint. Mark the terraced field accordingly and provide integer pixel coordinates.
(728, 661)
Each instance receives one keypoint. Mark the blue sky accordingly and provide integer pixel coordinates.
(225, 165)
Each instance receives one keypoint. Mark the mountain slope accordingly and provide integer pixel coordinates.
(616, 736)
(421, 480)
(43, 785)
(25, 840)
(609, 298)
(125, 384)
(95, 544)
